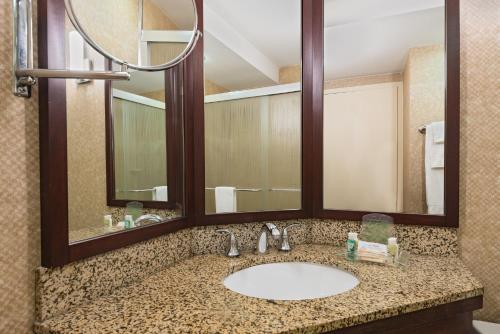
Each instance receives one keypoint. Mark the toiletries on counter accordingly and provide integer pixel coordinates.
(392, 250)
(352, 245)
(108, 221)
(371, 251)
(129, 221)
(389, 254)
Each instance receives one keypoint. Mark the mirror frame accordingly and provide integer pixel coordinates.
(174, 146)
(309, 63)
(56, 249)
(452, 130)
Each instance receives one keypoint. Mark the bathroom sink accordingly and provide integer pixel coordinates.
(290, 281)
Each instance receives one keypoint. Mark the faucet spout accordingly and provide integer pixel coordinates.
(273, 230)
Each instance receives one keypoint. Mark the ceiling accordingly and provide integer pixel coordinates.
(361, 37)
(248, 41)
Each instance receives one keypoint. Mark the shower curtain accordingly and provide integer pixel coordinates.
(139, 148)
(255, 143)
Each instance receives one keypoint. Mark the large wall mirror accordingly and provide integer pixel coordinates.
(113, 152)
(385, 119)
(120, 133)
(253, 105)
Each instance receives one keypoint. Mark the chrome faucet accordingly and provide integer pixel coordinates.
(280, 239)
(262, 239)
(145, 218)
(233, 244)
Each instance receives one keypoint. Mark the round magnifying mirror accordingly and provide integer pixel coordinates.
(147, 35)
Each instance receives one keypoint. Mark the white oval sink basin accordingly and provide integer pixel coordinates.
(290, 281)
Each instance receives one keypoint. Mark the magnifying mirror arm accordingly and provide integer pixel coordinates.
(24, 73)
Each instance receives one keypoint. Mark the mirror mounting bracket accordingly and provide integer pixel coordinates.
(24, 74)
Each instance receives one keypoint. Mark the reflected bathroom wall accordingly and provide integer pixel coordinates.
(384, 106)
(253, 106)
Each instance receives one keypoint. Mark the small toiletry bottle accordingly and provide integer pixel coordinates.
(392, 249)
(352, 245)
(108, 221)
(129, 221)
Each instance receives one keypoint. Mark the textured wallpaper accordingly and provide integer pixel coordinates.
(479, 234)
(423, 103)
(19, 196)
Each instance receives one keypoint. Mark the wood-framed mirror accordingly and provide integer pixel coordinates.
(387, 120)
(253, 91)
(144, 140)
(79, 217)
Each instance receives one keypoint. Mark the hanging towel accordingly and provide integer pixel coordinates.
(435, 132)
(434, 168)
(160, 194)
(437, 129)
(225, 199)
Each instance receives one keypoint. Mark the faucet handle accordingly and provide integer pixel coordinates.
(233, 245)
(285, 245)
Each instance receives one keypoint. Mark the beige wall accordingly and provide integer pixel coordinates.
(479, 163)
(213, 88)
(363, 80)
(290, 74)
(423, 103)
(479, 232)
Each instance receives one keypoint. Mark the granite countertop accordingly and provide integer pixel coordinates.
(190, 297)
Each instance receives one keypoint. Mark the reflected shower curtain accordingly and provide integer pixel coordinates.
(139, 149)
(255, 143)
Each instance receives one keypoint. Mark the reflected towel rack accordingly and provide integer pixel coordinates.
(285, 189)
(135, 190)
(257, 190)
(239, 189)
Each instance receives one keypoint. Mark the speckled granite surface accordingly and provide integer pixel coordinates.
(61, 289)
(118, 214)
(189, 297)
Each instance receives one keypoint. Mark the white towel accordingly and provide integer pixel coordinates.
(435, 134)
(225, 199)
(434, 169)
(437, 129)
(160, 194)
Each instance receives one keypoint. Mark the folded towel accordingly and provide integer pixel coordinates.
(437, 132)
(225, 199)
(435, 144)
(160, 194)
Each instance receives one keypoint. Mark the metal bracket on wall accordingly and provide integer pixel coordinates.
(24, 75)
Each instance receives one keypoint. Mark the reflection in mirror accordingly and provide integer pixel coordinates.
(140, 130)
(139, 138)
(384, 106)
(139, 32)
(252, 65)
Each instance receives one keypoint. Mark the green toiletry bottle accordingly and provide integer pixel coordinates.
(352, 245)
